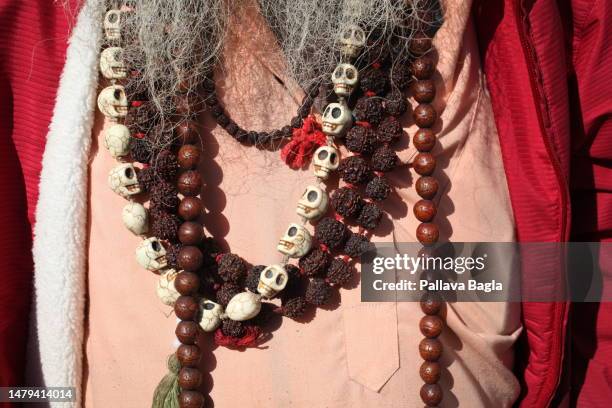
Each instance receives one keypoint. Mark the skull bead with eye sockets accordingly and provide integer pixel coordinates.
(337, 118)
(325, 160)
(151, 254)
(211, 315)
(112, 102)
(352, 40)
(123, 180)
(272, 280)
(111, 63)
(296, 242)
(112, 25)
(345, 78)
(313, 203)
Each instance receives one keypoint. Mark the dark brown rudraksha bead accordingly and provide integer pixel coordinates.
(423, 67)
(232, 328)
(187, 283)
(172, 252)
(165, 165)
(395, 103)
(430, 349)
(370, 216)
(318, 292)
(339, 272)
(187, 132)
(163, 196)
(427, 187)
(226, 292)
(355, 170)
(314, 262)
(147, 178)
(186, 307)
(293, 307)
(427, 233)
(188, 355)
(360, 139)
(378, 189)
(232, 268)
(424, 164)
(369, 109)
(424, 210)
(431, 326)
(384, 159)
(373, 80)
(424, 140)
(424, 91)
(424, 115)
(190, 258)
(190, 208)
(141, 149)
(431, 304)
(189, 378)
(187, 331)
(389, 130)
(165, 225)
(430, 372)
(400, 75)
(420, 44)
(188, 157)
(191, 399)
(189, 183)
(356, 245)
(190, 233)
(331, 232)
(252, 280)
(431, 394)
(347, 202)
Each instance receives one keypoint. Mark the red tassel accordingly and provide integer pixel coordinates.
(304, 142)
(252, 334)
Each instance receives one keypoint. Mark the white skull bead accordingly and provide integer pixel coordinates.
(296, 242)
(326, 159)
(336, 119)
(112, 25)
(113, 102)
(345, 78)
(135, 218)
(151, 254)
(123, 180)
(313, 203)
(211, 315)
(352, 40)
(243, 306)
(117, 140)
(166, 291)
(272, 280)
(111, 63)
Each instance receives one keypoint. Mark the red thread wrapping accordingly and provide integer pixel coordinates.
(304, 142)
(249, 339)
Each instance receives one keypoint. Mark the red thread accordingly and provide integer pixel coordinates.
(379, 173)
(304, 141)
(249, 339)
(338, 217)
(324, 248)
(370, 93)
(139, 135)
(363, 124)
(137, 104)
(218, 258)
(345, 258)
(376, 65)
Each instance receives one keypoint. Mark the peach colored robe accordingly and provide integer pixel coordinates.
(350, 354)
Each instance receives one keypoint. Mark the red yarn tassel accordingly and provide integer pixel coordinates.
(252, 334)
(304, 142)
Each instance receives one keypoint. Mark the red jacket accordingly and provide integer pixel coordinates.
(545, 64)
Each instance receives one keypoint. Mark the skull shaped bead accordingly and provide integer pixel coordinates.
(296, 242)
(272, 280)
(345, 78)
(243, 306)
(211, 315)
(166, 291)
(326, 159)
(117, 140)
(151, 254)
(112, 25)
(336, 119)
(352, 40)
(313, 203)
(111, 63)
(135, 218)
(123, 180)
(113, 102)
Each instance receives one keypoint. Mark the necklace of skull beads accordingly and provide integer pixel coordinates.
(218, 292)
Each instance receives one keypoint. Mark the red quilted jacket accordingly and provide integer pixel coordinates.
(546, 63)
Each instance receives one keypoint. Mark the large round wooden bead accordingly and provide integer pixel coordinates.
(189, 378)
(190, 233)
(189, 183)
(423, 67)
(424, 164)
(427, 233)
(431, 394)
(431, 304)
(424, 210)
(186, 332)
(190, 258)
(424, 140)
(424, 115)
(190, 208)
(186, 308)
(188, 157)
(186, 132)
(427, 187)
(430, 372)
(420, 44)
(189, 355)
(187, 283)
(191, 399)
(431, 326)
(424, 91)
(430, 349)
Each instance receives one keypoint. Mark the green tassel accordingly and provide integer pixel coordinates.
(167, 392)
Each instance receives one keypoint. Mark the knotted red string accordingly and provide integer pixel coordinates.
(304, 141)
(252, 334)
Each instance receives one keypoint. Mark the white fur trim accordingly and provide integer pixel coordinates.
(55, 356)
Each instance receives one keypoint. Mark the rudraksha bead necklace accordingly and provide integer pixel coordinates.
(218, 292)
